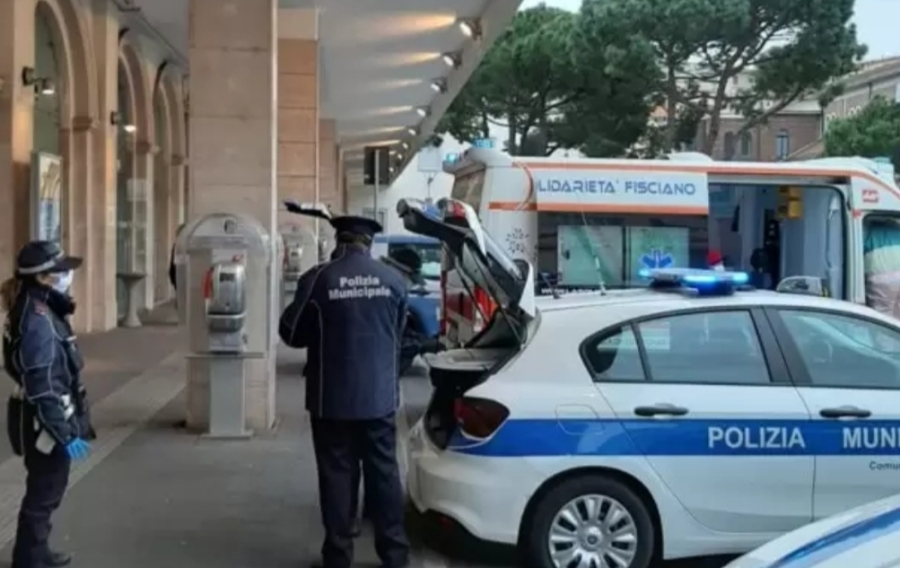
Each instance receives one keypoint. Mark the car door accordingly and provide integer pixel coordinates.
(705, 396)
(847, 369)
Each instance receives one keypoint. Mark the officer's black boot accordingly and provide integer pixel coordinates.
(57, 559)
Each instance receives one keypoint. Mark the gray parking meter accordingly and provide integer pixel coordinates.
(224, 294)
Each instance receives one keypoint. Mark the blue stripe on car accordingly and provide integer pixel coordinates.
(685, 437)
(842, 540)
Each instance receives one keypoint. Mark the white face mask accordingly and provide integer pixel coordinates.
(63, 282)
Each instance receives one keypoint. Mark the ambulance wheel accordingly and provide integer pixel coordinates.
(589, 521)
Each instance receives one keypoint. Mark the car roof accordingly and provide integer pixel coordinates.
(673, 299)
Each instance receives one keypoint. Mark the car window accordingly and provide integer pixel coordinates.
(844, 351)
(430, 253)
(615, 357)
(706, 348)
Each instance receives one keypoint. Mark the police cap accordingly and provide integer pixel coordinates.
(355, 225)
(39, 257)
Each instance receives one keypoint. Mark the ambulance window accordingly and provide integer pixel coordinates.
(580, 250)
(720, 347)
(615, 357)
(841, 351)
(881, 262)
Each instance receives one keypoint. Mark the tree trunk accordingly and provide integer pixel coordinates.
(668, 143)
(511, 142)
(715, 118)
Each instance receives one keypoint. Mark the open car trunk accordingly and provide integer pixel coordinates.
(510, 284)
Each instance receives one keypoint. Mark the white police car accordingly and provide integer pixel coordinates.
(865, 537)
(607, 430)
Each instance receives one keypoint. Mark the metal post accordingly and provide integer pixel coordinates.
(375, 186)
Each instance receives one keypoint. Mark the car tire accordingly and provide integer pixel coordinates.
(534, 544)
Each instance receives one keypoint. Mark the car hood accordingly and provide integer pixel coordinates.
(865, 537)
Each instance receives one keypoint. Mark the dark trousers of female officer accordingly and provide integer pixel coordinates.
(45, 486)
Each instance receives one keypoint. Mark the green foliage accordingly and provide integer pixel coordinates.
(618, 76)
(540, 84)
(589, 80)
(872, 133)
(788, 48)
(525, 76)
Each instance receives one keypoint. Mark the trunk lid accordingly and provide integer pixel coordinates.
(509, 283)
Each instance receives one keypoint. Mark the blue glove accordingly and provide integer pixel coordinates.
(78, 449)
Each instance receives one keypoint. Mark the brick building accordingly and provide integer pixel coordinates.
(875, 78)
(796, 133)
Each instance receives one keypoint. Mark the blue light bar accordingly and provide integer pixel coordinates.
(700, 280)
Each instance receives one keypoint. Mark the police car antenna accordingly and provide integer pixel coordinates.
(553, 289)
(596, 258)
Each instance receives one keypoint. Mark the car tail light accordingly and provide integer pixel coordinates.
(479, 417)
(454, 209)
(486, 307)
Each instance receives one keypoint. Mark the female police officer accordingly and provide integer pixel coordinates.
(47, 419)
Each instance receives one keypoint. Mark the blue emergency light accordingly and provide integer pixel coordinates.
(705, 282)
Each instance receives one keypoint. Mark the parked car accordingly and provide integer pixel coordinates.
(696, 416)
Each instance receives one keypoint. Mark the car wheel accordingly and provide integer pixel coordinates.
(589, 522)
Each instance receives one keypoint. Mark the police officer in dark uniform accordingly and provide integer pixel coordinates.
(47, 422)
(349, 313)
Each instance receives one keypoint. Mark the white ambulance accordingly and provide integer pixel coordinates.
(592, 223)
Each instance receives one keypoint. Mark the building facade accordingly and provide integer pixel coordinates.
(878, 78)
(94, 110)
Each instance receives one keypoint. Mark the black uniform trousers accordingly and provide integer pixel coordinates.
(45, 485)
(340, 446)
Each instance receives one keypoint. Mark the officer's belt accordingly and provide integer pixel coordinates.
(18, 393)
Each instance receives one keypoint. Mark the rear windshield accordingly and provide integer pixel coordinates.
(430, 253)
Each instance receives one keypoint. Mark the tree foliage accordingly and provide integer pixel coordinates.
(873, 133)
(521, 82)
(542, 87)
(590, 80)
(787, 49)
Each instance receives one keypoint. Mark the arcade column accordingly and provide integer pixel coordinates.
(16, 125)
(233, 149)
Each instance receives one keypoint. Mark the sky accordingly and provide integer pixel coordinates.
(877, 22)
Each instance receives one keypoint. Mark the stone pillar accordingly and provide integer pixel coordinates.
(75, 146)
(343, 187)
(144, 215)
(101, 212)
(328, 164)
(298, 117)
(16, 125)
(233, 113)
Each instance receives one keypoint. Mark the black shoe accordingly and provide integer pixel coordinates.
(57, 560)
